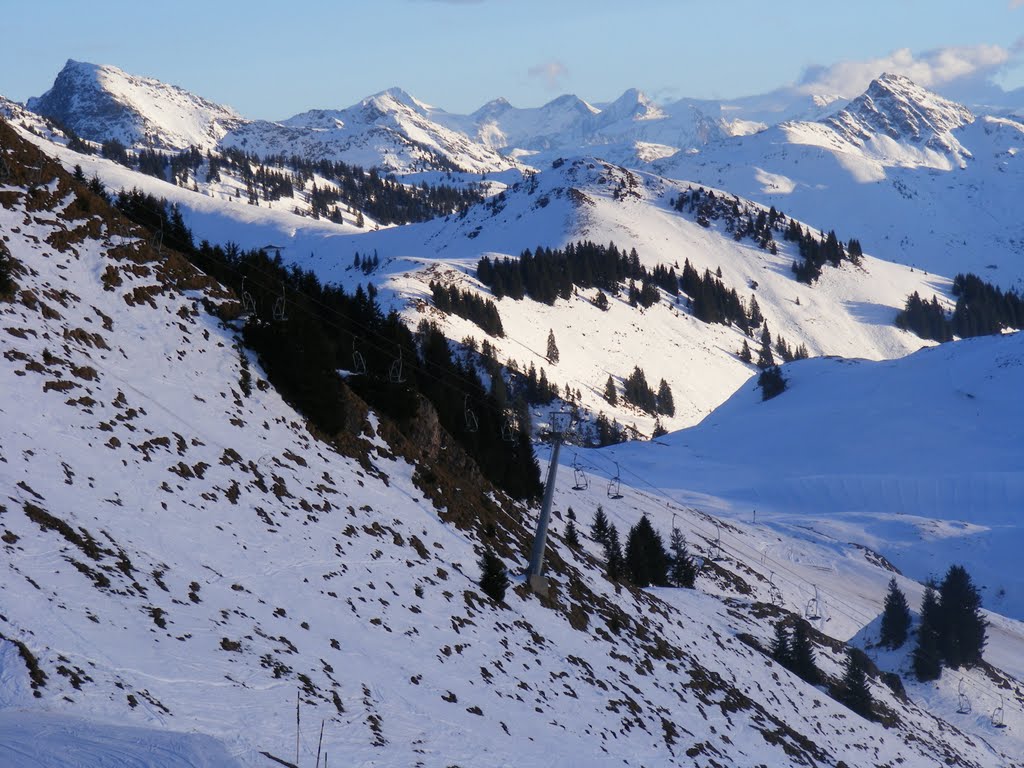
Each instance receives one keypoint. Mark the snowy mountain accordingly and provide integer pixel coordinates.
(391, 130)
(896, 108)
(631, 129)
(922, 180)
(397, 132)
(100, 102)
(184, 555)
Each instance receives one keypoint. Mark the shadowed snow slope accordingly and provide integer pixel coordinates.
(919, 458)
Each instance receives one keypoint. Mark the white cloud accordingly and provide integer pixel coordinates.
(551, 71)
(930, 69)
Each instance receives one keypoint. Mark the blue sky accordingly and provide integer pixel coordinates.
(274, 59)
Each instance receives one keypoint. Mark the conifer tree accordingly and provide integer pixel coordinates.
(754, 314)
(613, 554)
(572, 538)
(895, 618)
(765, 359)
(646, 560)
(781, 647)
(927, 657)
(803, 653)
(552, 353)
(682, 571)
(665, 404)
(961, 626)
(599, 528)
(610, 393)
(493, 577)
(771, 382)
(745, 354)
(855, 691)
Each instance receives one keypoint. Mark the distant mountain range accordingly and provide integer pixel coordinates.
(923, 180)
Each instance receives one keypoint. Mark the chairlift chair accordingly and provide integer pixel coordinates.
(716, 546)
(812, 612)
(508, 430)
(580, 480)
(279, 308)
(998, 717)
(472, 424)
(248, 302)
(963, 702)
(395, 375)
(615, 485)
(358, 361)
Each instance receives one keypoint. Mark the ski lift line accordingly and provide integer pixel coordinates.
(798, 582)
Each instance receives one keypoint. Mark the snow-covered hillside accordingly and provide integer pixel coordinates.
(849, 312)
(183, 554)
(101, 102)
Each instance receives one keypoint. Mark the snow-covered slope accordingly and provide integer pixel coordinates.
(183, 555)
(849, 312)
(100, 102)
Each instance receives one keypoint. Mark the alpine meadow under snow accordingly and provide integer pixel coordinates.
(263, 383)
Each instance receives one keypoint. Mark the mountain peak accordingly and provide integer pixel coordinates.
(101, 102)
(633, 104)
(896, 107)
(570, 101)
(395, 96)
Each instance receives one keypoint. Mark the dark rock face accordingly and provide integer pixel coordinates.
(79, 101)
